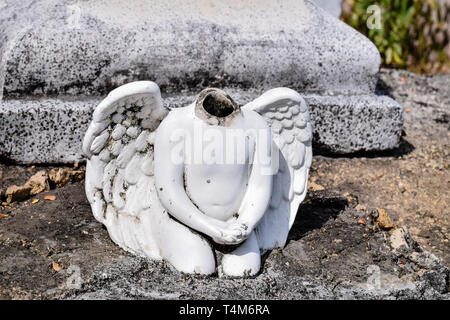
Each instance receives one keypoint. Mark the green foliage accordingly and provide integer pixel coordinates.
(408, 34)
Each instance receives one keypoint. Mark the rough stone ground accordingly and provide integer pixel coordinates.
(55, 249)
(412, 182)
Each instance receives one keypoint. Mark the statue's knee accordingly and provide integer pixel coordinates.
(186, 250)
(244, 261)
(240, 266)
(191, 254)
(199, 261)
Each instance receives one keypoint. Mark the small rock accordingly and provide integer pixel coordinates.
(401, 187)
(383, 219)
(17, 193)
(62, 176)
(59, 177)
(38, 183)
(77, 175)
(398, 239)
(50, 197)
(57, 267)
(315, 187)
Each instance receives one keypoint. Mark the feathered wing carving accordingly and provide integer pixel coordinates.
(287, 114)
(119, 179)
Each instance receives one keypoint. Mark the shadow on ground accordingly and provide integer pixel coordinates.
(314, 212)
(404, 148)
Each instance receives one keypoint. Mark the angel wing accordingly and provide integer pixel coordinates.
(287, 114)
(119, 172)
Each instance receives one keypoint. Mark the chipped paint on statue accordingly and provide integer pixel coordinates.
(209, 178)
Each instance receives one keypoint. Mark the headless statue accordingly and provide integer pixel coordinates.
(210, 177)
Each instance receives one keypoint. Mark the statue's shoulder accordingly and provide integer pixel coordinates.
(178, 117)
(253, 119)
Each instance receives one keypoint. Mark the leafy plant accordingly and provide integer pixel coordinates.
(414, 34)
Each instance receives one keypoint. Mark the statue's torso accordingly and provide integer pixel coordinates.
(216, 180)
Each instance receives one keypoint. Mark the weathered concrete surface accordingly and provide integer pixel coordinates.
(58, 58)
(348, 124)
(89, 47)
(57, 250)
(44, 130)
(52, 130)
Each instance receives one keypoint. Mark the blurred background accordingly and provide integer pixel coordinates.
(410, 34)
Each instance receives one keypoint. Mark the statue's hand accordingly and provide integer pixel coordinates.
(232, 232)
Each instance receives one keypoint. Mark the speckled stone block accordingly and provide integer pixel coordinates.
(348, 124)
(90, 47)
(44, 131)
(52, 130)
(80, 50)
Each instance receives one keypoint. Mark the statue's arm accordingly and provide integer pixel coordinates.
(259, 190)
(169, 178)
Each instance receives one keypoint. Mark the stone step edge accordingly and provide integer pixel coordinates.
(51, 130)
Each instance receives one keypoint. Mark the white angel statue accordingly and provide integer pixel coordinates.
(197, 184)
